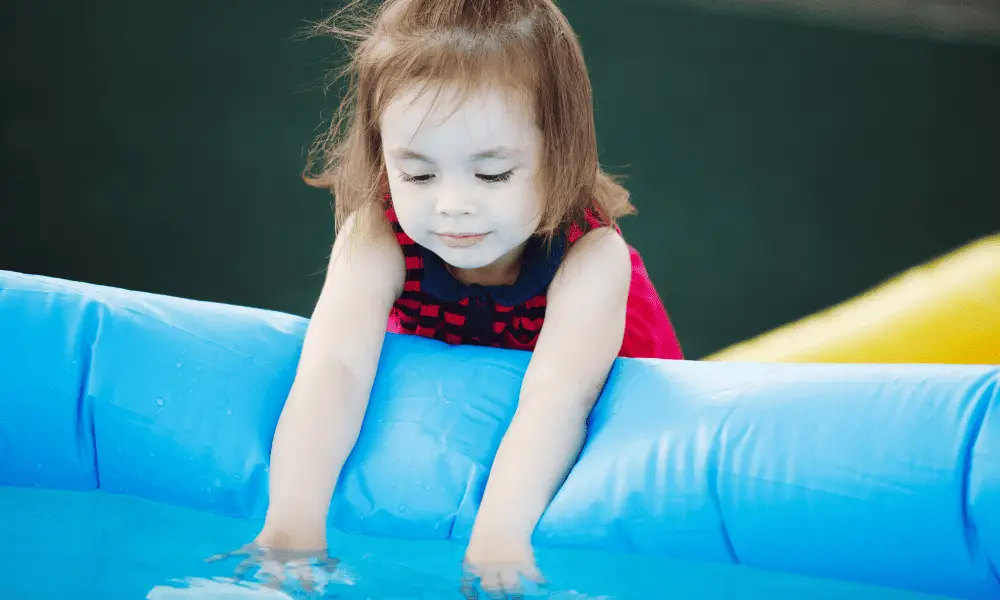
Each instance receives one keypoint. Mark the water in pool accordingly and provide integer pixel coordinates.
(94, 545)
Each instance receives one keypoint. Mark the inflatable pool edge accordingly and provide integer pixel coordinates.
(885, 474)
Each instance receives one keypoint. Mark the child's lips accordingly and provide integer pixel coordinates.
(461, 240)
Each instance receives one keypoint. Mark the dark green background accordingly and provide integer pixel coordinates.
(778, 167)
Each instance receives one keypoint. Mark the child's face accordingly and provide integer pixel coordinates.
(463, 181)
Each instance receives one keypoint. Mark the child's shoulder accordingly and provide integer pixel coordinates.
(592, 220)
(369, 240)
(598, 247)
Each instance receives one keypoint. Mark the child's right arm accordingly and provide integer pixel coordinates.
(322, 416)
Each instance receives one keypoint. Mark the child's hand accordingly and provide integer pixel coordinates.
(283, 565)
(499, 563)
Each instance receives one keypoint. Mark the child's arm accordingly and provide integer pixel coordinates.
(322, 417)
(582, 335)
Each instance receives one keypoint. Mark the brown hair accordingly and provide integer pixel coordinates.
(525, 45)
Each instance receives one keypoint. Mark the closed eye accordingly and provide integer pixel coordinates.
(496, 178)
(415, 178)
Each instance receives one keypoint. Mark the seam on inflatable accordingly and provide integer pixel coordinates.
(985, 395)
(712, 483)
(89, 330)
(161, 320)
(473, 494)
(61, 286)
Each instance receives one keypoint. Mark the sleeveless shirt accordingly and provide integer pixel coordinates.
(435, 305)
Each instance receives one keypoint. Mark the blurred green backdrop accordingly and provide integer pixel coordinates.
(778, 167)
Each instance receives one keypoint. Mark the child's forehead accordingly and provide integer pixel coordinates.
(490, 115)
(439, 103)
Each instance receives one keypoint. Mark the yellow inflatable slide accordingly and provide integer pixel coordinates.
(946, 311)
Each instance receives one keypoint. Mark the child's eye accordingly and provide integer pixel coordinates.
(415, 178)
(496, 178)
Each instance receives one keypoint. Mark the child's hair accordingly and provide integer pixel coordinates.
(526, 46)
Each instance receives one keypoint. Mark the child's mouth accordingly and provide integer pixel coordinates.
(461, 240)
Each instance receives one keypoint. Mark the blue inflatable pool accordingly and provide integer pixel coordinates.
(132, 423)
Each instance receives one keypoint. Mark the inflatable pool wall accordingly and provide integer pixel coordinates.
(886, 474)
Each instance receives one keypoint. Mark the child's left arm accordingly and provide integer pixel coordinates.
(580, 339)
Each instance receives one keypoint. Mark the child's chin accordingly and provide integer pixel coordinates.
(465, 258)
(465, 265)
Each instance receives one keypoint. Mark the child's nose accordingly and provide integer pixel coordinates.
(453, 201)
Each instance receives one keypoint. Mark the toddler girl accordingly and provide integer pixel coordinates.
(470, 208)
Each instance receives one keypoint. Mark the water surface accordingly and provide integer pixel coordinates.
(95, 545)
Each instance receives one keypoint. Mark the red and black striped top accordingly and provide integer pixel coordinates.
(435, 305)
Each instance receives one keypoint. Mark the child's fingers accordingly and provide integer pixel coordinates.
(509, 579)
(303, 572)
(271, 574)
(241, 569)
(532, 573)
(242, 550)
(218, 557)
(505, 582)
(492, 582)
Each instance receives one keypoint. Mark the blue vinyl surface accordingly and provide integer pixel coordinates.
(883, 474)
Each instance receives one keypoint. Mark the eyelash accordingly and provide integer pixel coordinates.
(422, 179)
